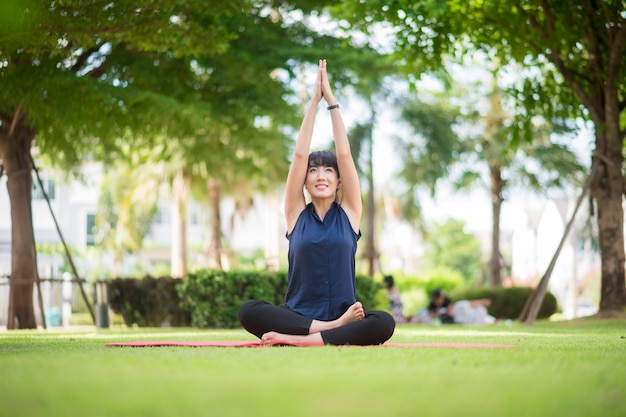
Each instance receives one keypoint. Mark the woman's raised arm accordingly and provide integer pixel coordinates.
(351, 201)
(294, 188)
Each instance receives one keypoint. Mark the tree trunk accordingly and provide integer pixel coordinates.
(495, 263)
(371, 253)
(602, 100)
(215, 244)
(15, 145)
(272, 232)
(607, 191)
(180, 186)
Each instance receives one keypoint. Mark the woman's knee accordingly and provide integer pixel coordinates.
(247, 310)
(383, 323)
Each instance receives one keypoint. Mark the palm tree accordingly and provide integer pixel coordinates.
(489, 142)
(127, 204)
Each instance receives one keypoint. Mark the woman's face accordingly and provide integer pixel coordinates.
(322, 182)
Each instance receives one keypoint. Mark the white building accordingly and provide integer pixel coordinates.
(534, 242)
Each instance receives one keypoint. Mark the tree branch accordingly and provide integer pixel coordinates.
(82, 59)
(571, 76)
(97, 72)
(616, 51)
(6, 118)
(592, 38)
(16, 119)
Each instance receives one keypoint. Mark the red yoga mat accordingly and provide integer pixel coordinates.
(230, 343)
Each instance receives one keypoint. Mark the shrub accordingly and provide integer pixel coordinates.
(367, 291)
(213, 297)
(507, 303)
(444, 278)
(207, 297)
(148, 301)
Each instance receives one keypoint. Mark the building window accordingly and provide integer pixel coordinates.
(48, 187)
(194, 218)
(162, 216)
(91, 230)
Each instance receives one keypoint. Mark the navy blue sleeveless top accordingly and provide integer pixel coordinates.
(321, 264)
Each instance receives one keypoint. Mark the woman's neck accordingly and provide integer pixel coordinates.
(322, 206)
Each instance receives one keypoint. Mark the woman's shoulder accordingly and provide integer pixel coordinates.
(345, 217)
(307, 211)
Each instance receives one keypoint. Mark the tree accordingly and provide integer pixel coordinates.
(576, 51)
(450, 247)
(61, 85)
(77, 79)
(468, 148)
(126, 206)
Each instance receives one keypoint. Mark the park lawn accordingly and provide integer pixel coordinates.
(569, 368)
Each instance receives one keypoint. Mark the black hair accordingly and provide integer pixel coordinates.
(323, 159)
(436, 293)
(388, 281)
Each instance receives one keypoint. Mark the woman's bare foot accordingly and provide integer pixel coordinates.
(354, 313)
(274, 338)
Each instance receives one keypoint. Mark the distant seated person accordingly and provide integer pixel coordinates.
(437, 309)
(395, 303)
(471, 312)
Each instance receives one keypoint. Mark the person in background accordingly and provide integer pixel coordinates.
(439, 305)
(436, 311)
(442, 309)
(471, 312)
(395, 302)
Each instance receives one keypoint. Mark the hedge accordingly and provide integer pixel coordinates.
(507, 302)
(205, 298)
(148, 301)
(213, 297)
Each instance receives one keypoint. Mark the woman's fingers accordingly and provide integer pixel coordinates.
(326, 91)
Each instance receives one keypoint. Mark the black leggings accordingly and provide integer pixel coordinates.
(259, 317)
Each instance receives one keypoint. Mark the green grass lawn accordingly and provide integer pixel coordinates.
(575, 368)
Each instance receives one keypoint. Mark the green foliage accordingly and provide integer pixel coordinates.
(107, 76)
(213, 297)
(127, 204)
(507, 302)
(13, 17)
(452, 248)
(434, 147)
(564, 41)
(367, 291)
(442, 277)
(147, 301)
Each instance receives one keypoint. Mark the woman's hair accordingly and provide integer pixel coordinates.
(323, 159)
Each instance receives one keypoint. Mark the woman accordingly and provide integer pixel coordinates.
(320, 305)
